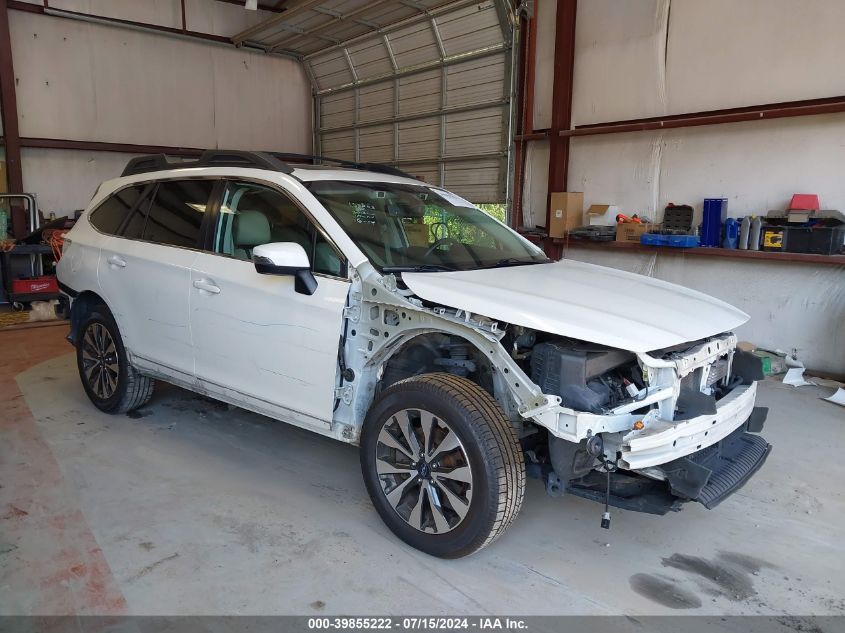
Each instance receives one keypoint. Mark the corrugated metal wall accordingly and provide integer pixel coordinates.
(431, 95)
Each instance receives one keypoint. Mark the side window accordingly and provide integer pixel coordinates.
(252, 215)
(176, 212)
(108, 217)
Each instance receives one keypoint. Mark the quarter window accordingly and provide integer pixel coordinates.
(109, 216)
(175, 215)
(252, 215)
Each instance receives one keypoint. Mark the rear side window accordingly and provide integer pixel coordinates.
(176, 212)
(108, 217)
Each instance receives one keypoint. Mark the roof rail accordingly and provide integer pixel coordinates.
(272, 161)
(209, 158)
(376, 167)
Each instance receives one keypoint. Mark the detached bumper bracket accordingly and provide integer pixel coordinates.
(713, 474)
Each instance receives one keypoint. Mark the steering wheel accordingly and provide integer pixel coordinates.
(439, 243)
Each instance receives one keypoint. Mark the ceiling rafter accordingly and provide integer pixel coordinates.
(424, 16)
(300, 30)
(292, 11)
(275, 7)
(351, 16)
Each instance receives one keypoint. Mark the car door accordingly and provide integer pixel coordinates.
(145, 274)
(253, 334)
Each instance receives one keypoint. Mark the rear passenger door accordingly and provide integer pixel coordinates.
(256, 340)
(145, 270)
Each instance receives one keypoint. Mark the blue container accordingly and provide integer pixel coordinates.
(683, 241)
(715, 213)
(731, 233)
(662, 239)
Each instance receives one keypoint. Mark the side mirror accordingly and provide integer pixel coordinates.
(286, 258)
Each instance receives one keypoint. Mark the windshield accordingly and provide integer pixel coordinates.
(421, 228)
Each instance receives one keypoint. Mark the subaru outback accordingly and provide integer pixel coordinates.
(363, 304)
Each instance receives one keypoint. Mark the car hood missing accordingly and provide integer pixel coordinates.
(583, 301)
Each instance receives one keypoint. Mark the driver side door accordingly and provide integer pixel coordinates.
(256, 340)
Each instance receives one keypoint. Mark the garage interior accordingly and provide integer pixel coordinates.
(636, 107)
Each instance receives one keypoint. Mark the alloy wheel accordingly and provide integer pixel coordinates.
(100, 361)
(424, 471)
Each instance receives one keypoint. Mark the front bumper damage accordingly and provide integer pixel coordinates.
(661, 441)
(712, 474)
(657, 461)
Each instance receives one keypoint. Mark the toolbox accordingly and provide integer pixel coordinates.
(824, 236)
(677, 218)
(45, 284)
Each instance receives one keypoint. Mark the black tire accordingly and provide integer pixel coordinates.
(488, 441)
(132, 390)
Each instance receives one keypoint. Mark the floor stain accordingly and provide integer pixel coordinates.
(728, 575)
(731, 582)
(665, 592)
(317, 605)
(147, 545)
(146, 570)
(5, 548)
(138, 414)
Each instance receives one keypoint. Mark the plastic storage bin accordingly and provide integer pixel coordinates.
(715, 213)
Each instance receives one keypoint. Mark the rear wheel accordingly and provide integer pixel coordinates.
(442, 464)
(112, 384)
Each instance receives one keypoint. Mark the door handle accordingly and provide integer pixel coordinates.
(207, 285)
(116, 262)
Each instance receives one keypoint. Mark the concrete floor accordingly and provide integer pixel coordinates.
(191, 507)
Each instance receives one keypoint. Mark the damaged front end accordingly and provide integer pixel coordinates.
(648, 431)
(644, 431)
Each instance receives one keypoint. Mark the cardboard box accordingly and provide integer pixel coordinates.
(602, 215)
(567, 212)
(631, 231)
(417, 234)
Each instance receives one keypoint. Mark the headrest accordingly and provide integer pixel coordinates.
(251, 229)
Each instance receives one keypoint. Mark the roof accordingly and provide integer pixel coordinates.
(273, 162)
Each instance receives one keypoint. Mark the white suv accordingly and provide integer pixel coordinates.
(370, 307)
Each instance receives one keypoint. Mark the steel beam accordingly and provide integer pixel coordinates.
(808, 107)
(100, 146)
(564, 61)
(9, 106)
(524, 108)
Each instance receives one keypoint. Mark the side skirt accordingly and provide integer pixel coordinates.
(224, 394)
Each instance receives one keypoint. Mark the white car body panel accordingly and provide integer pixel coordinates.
(259, 337)
(148, 296)
(583, 301)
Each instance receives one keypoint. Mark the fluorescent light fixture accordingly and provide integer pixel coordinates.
(252, 5)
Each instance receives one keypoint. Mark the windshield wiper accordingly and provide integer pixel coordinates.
(513, 261)
(422, 268)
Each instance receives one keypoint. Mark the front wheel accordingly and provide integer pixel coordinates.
(112, 384)
(442, 464)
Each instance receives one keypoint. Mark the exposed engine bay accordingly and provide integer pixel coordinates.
(649, 395)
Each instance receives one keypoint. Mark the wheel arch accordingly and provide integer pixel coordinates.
(82, 305)
(404, 350)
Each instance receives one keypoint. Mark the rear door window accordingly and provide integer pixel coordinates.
(110, 215)
(176, 212)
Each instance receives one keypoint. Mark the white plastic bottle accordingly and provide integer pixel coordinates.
(754, 236)
(744, 230)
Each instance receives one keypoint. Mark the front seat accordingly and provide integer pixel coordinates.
(251, 228)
